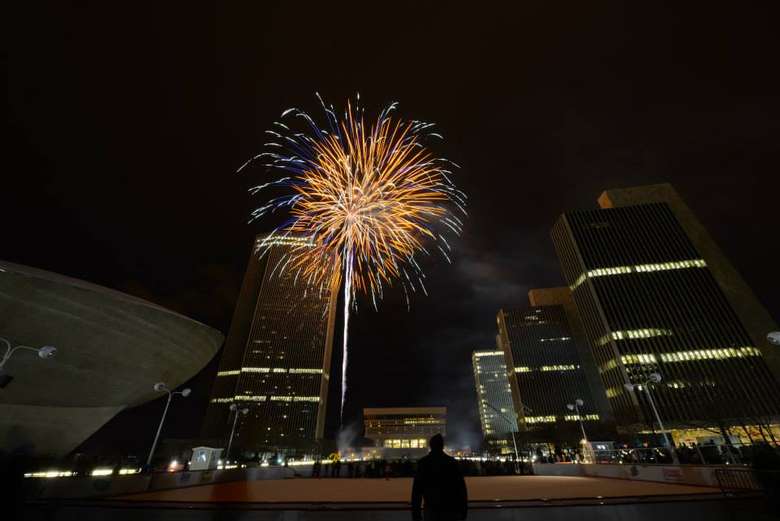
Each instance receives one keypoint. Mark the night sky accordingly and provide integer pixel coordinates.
(126, 127)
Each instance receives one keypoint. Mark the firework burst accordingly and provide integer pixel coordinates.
(371, 197)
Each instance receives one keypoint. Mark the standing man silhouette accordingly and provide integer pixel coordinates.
(440, 484)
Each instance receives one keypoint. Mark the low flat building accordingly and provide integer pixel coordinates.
(404, 431)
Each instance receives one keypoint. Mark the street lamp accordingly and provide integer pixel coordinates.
(506, 419)
(587, 452)
(655, 378)
(236, 410)
(160, 387)
(43, 352)
(576, 407)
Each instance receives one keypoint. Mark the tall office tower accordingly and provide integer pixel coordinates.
(545, 372)
(496, 410)
(656, 295)
(276, 360)
(561, 296)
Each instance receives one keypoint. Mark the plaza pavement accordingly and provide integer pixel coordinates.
(397, 490)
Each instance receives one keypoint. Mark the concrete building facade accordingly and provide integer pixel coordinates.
(111, 350)
(656, 295)
(494, 399)
(545, 372)
(277, 357)
(404, 431)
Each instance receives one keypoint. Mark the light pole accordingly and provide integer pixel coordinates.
(236, 410)
(655, 378)
(514, 442)
(43, 352)
(160, 387)
(576, 407)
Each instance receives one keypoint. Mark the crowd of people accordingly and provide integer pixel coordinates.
(382, 468)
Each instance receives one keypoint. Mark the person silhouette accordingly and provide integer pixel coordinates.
(439, 482)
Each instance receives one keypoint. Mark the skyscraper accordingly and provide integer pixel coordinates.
(496, 411)
(545, 371)
(561, 296)
(657, 295)
(277, 356)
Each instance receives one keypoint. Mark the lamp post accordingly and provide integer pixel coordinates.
(587, 451)
(236, 410)
(576, 407)
(514, 442)
(160, 387)
(655, 378)
(43, 352)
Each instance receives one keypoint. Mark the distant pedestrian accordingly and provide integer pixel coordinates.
(439, 490)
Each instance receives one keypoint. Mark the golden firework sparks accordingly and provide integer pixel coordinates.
(370, 198)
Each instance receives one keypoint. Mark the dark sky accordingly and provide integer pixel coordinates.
(126, 127)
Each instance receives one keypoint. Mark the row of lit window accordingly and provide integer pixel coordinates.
(640, 268)
(418, 443)
(612, 392)
(633, 334)
(684, 356)
(552, 418)
(478, 354)
(292, 370)
(555, 339)
(576, 417)
(263, 397)
(546, 368)
(285, 240)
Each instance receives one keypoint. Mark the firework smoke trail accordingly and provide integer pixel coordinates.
(348, 267)
(363, 201)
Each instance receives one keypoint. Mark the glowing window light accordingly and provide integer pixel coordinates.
(124, 472)
(540, 419)
(633, 334)
(559, 367)
(255, 369)
(305, 371)
(547, 368)
(306, 398)
(285, 240)
(684, 356)
(102, 472)
(576, 417)
(251, 397)
(232, 372)
(50, 474)
(638, 268)
(710, 354)
(479, 354)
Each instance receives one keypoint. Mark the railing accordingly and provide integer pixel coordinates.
(735, 481)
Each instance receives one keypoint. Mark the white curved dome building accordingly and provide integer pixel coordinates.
(111, 349)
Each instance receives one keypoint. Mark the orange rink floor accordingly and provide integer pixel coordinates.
(488, 488)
